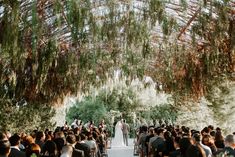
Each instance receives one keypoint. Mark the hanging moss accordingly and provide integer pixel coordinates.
(50, 50)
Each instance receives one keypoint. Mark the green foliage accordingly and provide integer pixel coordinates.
(184, 4)
(87, 109)
(25, 117)
(41, 63)
(163, 112)
(191, 70)
(123, 100)
(221, 98)
(104, 106)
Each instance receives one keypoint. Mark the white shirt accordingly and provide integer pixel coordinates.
(15, 147)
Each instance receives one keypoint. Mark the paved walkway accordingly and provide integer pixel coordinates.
(122, 151)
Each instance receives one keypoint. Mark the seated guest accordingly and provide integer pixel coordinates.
(59, 134)
(7, 133)
(4, 148)
(3, 136)
(49, 149)
(197, 140)
(28, 140)
(92, 144)
(40, 138)
(81, 145)
(71, 141)
(15, 143)
(60, 142)
(209, 141)
(184, 144)
(177, 147)
(229, 146)
(33, 149)
(219, 140)
(195, 151)
(67, 151)
(169, 143)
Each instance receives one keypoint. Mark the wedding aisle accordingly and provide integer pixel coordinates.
(122, 151)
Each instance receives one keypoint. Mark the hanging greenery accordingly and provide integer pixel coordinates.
(193, 69)
(53, 48)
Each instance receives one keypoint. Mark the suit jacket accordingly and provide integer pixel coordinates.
(84, 147)
(175, 153)
(77, 153)
(227, 150)
(16, 153)
(125, 128)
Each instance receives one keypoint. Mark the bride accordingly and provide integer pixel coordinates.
(118, 137)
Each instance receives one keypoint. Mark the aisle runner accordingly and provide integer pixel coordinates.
(122, 151)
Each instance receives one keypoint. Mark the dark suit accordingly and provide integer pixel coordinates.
(77, 153)
(125, 131)
(16, 153)
(229, 151)
(84, 147)
(175, 153)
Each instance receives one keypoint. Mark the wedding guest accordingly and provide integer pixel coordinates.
(150, 135)
(92, 144)
(196, 137)
(49, 149)
(169, 143)
(4, 148)
(209, 141)
(81, 145)
(33, 149)
(158, 146)
(74, 124)
(184, 143)
(65, 127)
(40, 138)
(60, 143)
(71, 141)
(219, 140)
(67, 151)
(102, 125)
(3, 136)
(141, 141)
(15, 143)
(229, 145)
(176, 153)
(152, 139)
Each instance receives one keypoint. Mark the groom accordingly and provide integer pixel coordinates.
(125, 132)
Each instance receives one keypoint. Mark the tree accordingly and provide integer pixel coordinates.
(166, 113)
(87, 109)
(193, 68)
(25, 118)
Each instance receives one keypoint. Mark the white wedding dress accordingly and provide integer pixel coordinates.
(118, 137)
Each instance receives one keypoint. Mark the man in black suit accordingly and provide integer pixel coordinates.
(71, 140)
(176, 153)
(15, 143)
(81, 145)
(4, 148)
(229, 146)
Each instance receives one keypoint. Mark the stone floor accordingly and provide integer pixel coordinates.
(122, 151)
